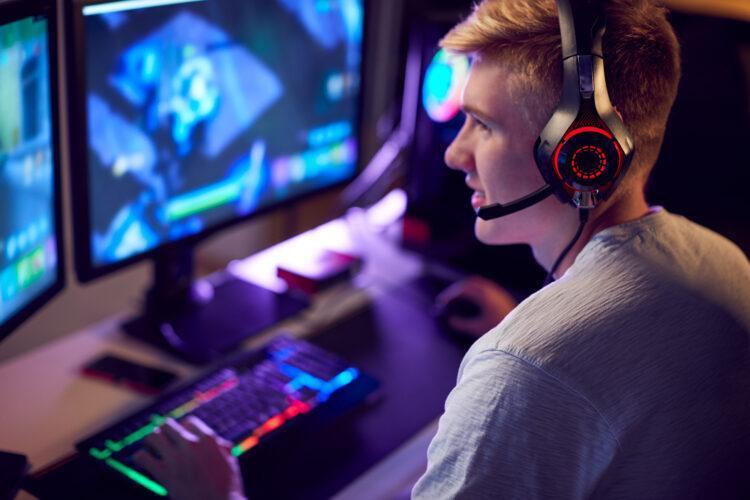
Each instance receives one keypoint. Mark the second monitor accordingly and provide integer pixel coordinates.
(31, 270)
(189, 116)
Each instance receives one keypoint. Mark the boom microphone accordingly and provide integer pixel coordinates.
(497, 210)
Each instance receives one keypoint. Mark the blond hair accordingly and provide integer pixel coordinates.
(641, 53)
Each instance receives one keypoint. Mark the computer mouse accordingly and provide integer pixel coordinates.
(461, 307)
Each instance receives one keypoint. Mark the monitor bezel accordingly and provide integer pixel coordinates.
(86, 269)
(15, 10)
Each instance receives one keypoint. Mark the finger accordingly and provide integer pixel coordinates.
(498, 290)
(202, 430)
(481, 281)
(444, 297)
(501, 291)
(150, 464)
(198, 426)
(453, 292)
(227, 445)
(176, 434)
(477, 289)
(147, 448)
(158, 442)
(467, 324)
(467, 289)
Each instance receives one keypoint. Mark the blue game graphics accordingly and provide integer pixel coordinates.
(201, 112)
(28, 251)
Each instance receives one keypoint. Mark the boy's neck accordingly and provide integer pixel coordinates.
(625, 210)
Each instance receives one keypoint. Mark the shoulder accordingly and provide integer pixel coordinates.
(563, 315)
(510, 427)
(645, 277)
(507, 384)
(678, 266)
(670, 246)
(638, 299)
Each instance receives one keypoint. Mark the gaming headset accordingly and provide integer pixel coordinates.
(584, 149)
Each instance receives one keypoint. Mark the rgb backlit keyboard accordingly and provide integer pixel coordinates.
(243, 401)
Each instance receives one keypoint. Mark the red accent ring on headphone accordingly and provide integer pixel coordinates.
(602, 157)
(594, 152)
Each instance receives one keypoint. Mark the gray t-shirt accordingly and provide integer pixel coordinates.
(629, 377)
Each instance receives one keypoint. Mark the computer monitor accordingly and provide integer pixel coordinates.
(31, 263)
(188, 116)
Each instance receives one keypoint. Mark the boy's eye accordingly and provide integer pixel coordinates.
(482, 126)
(478, 123)
(473, 121)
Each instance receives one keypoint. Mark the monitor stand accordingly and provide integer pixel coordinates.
(201, 320)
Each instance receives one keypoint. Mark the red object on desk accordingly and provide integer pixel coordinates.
(318, 270)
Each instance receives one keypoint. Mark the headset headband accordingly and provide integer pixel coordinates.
(584, 127)
(580, 21)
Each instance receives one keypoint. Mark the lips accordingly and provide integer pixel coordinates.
(478, 200)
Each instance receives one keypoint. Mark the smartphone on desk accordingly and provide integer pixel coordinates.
(120, 371)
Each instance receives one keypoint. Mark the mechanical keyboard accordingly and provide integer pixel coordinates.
(245, 401)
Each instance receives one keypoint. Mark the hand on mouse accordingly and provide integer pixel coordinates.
(492, 301)
(193, 463)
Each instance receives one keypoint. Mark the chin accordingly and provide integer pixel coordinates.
(496, 232)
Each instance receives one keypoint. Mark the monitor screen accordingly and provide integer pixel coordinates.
(205, 112)
(29, 251)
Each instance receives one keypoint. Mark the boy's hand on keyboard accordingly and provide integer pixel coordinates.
(192, 463)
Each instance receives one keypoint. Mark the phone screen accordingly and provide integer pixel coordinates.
(134, 375)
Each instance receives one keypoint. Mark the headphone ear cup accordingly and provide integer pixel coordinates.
(587, 158)
(583, 167)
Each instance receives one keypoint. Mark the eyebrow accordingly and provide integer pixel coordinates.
(471, 110)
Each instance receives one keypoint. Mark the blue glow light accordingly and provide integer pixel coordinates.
(344, 378)
(301, 378)
(337, 382)
(107, 8)
(327, 134)
(282, 354)
(443, 84)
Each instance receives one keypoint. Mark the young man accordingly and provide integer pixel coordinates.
(629, 376)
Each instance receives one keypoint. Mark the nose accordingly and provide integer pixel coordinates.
(458, 155)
